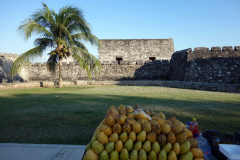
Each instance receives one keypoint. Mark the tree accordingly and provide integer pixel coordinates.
(63, 33)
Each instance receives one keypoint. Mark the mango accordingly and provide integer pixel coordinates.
(147, 146)
(181, 138)
(157, 129)
(197, 153)
(167, 147)
(161, 139)
(142, 155)
(123, 137)
(118, 146)
(94, 137)
(91, 155)
(156, 147)
(128, 145)
(131, 115)
(162, 155)
(142, 136)
(126, 128)
(176, 148)
(152, 156)
(136, 127)
(104, 155)
(113, 137)
(161, 122)
(110, 121)
(134, 155)
(124, 155)
(97, 147)
(176, 129)
(121, 107)
(171, 138)
(162, 115)
(147, 127)
(186, 156)
(130, 121)
(114, 155)
(102, 138)
(129, 109)
(89, 146)
(142, 121)
(189, 133)
(151, 137)
(193, 142)
(133, 136)
(121, 119)
(184, 147)
(106, 129)
(110, 147)
(138, 145)
(117, 128)
(172, 155)
(166, 129)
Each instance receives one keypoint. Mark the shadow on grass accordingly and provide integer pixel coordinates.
(72, 118)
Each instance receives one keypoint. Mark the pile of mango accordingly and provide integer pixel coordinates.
(137, 134)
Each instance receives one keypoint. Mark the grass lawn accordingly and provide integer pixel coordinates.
(70, 115)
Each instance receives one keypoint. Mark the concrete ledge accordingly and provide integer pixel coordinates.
(235, 88)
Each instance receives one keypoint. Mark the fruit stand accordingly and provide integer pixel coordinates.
(134, 133)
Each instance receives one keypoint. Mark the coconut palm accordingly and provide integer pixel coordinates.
(63, 33)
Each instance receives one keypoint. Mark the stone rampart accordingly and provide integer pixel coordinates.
(135, 49)
(111, 71)
(218, 65)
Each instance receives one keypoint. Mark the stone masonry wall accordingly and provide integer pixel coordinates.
(203, 65)
(6, 61)
(110, 71)
(132, 50)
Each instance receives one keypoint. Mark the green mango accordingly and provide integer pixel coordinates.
(156, 147)
(152, 156)
(128, 145)
(123, 137)
(186, 156)
(104, 155)
(114, 155)
(110, 147)
(142, 155)
(124, 155)
(97, 147)
(162, 155)
(147, 146)
(138, 145)
(134, 155)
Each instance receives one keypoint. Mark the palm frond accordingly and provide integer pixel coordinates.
(80, 45)
(44, 42)
(86, 60)
(29, 27)
(87, 37)
(52, 62)
(25, 58)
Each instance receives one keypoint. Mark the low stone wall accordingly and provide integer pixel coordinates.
(234, 88)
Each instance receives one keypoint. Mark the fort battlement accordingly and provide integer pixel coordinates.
(214, 65)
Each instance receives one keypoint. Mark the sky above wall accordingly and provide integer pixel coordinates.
(198, 23)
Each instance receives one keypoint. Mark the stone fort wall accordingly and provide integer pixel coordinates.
(133, 50)
(217, 65)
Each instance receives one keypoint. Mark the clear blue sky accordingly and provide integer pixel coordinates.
(190, 23)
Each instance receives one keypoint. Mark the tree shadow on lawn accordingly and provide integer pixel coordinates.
(73, 118)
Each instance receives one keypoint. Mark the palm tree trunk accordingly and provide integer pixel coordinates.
(60, 73)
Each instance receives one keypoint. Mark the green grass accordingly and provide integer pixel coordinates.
(38, 116)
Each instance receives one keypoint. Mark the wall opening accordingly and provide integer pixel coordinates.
(119, 59)
(152, 58)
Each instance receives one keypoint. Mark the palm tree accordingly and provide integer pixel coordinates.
(62, 32)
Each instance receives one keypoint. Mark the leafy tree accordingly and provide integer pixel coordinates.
(63, 33)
